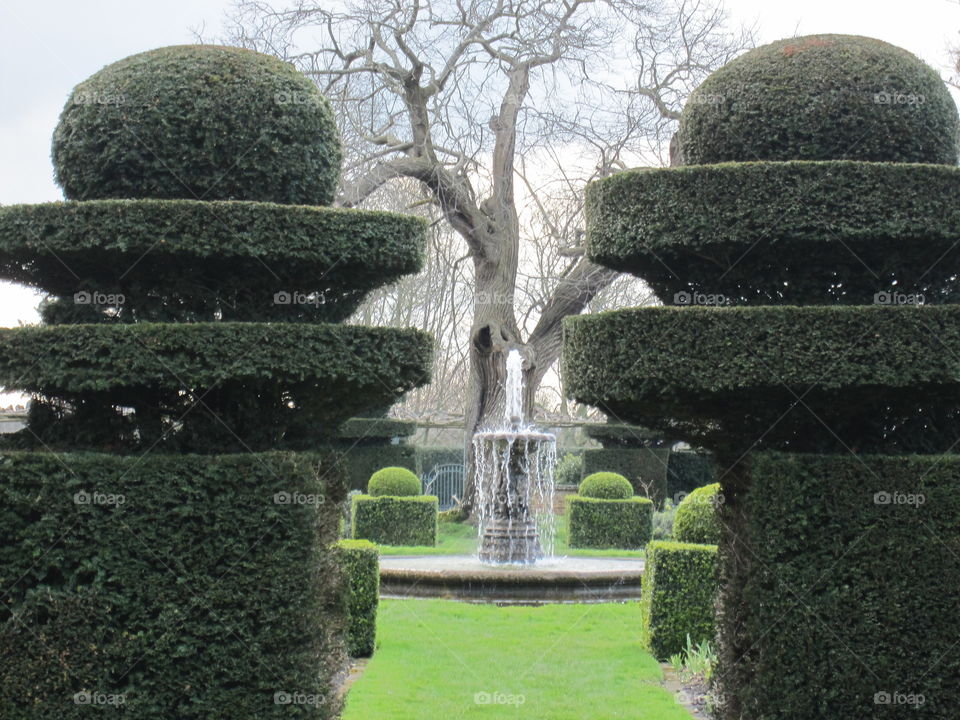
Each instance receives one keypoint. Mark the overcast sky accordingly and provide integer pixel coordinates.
(48, 47)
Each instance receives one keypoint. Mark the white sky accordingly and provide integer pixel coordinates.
(48, 47)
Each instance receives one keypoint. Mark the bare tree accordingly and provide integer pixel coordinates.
(455, 94)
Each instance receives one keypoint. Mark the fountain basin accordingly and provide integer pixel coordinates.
(466, 578)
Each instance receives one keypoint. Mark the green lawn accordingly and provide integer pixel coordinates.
(444, 660)
(461, 539)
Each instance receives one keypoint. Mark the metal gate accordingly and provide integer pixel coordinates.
(446, 482)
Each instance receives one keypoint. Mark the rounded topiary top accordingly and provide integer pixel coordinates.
(199, 122)
(821, 97)
(607, 486)
(396, 481)
(696, 519)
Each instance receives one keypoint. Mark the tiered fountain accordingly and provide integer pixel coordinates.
(515, 482)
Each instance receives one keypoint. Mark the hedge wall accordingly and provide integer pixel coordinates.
(241, 378)
(614, 435)
(688, 470)
(740, 389)
(595, 523)
(375, 430)
(430, 457)
(360, 561)
(189, 260)
(362, 461)
(848, 567)
(680, 584)
(648, 465)
(395, 520)
(812, 232)
(191, 586)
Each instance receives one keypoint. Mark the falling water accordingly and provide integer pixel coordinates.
(514, 465)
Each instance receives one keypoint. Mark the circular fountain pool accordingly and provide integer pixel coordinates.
(465, 577)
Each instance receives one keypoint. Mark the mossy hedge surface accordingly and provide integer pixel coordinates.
(821, 97)
(185, 260)
(781, 232)
(697, 518)
(847, 577)
(387, 520)
(395, 481)
(680, 584)
(126, 383)
(360, 561)
(202, 122)
(606, 486)
(170, 581)
(596, 523)
(732, 377)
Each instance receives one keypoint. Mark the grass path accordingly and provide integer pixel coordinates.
(461, 539)
(443, 660)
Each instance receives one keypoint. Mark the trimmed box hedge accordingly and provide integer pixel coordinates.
(191, 586)
(360, 561)
(643, 467)
(781, 232)
(680, 584)
(390, 520)
(845, 568)
(595, 523)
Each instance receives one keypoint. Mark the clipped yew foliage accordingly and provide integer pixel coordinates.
(198, 121)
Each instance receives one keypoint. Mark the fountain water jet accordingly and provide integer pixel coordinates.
(514, 466)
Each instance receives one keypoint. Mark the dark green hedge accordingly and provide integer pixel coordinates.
(208, 590)
(429, 458)
(198, 121)
(240, 378)
(645, 468)
(615, 435)
(187, 260)
(360, 561)
(821, 97)
(395, 520)
(781, 233)
(688, 470)
(845, 586)
(595, 523)
(364, 460)
(366, 430)
(680, 583)
(807, 378)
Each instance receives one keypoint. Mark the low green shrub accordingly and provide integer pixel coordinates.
(360, 561)
(172, 582)
(680, 584)
(663, 520)
(395, 481)
(595, 523)
(569, 470)
(697, 520)
(606, 486)
(395, 520)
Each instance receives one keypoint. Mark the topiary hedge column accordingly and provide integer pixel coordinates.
(165, 542)
(810, 245)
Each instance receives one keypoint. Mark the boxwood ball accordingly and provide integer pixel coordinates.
(198, 122)
(821, 97)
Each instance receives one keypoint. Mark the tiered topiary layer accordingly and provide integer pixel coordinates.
(827, 575)
(198, 317)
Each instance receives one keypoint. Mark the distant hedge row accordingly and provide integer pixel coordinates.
(645, 468)
(843, 567)
(816, 232)
(189, 259)
(169, 581)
